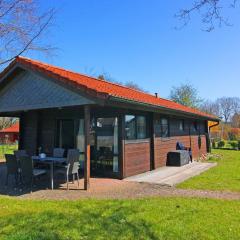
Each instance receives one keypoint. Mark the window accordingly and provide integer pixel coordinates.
(162, 127)
(141, 127)
(65, 134)
(135, 127)
(181, 125)
(130, 127)
(195, 126)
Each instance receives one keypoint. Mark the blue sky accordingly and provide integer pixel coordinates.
(137, 41)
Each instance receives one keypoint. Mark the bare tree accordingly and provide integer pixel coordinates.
(211, 12)
(210, 107)
(227, 106)
(134, 85)
(105, 76)
(186, 95)
(21, 28)
(236, 105)
(235, 121)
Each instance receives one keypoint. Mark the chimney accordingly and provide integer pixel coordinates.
(156, 95)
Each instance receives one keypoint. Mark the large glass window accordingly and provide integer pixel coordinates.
(135, 127)
(130, 126)
(66, 137)
(107, 144)
(161, 127)
(80, 141)
(195, 126)
(141, 127)
(181, 125)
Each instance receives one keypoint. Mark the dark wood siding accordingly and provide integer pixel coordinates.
(189, 136)
(47, 131)
(163, 146)
(136, 157)
(29, 126)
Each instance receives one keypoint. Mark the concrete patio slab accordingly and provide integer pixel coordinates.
(171, 176)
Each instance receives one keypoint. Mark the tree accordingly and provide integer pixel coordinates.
(236, 120)
(210, 107)
(236, 105)
(22, 27)
(227, 106)
(186, 95)
(211, 11)
(106, 77)
(134, 85)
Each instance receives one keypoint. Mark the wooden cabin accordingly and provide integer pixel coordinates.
(119, 131)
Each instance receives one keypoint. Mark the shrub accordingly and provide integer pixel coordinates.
(233, 144)
(239, 145)
(221, 144)
(213, 144)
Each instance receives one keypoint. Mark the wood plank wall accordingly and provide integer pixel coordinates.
(137, 157)
(137, 154)
(29, 125)
(163, 146)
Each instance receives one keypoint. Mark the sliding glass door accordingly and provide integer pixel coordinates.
(65, 134)
(105, 149)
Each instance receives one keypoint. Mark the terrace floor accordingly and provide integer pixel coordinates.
(103, 188)
(171, 176)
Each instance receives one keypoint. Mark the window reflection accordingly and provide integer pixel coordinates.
(135, 127)
(130, 125)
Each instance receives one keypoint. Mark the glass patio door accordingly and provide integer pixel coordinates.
(66, 138)
(106, 146)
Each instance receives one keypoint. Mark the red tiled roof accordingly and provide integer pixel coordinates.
(14, 128)
(104, 88)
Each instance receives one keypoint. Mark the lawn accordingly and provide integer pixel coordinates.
(156, 218)
(225, 176)
(7, 149)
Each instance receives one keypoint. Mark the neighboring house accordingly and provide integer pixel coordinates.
(126, 131)
(10, 135)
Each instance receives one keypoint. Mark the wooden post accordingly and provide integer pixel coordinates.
(87, 147)
(121, 145)
(152, 138)
(21, 132)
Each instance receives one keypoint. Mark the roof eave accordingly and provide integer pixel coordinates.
(123, 100)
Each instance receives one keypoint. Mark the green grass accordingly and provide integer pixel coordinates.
(7, 149)
(225, 176)
(156, 218)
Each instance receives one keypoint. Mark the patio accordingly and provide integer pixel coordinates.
(171, 176)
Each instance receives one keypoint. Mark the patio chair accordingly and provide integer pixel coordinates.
(20, 153)
(58, 152)
(72, 166)
(28, 172)
(12, 167)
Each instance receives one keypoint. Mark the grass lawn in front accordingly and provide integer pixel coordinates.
(155, 218)
(225, 176)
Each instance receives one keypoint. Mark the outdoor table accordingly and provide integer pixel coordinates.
(49, 161)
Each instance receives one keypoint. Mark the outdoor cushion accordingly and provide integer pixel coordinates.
(38, 172)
